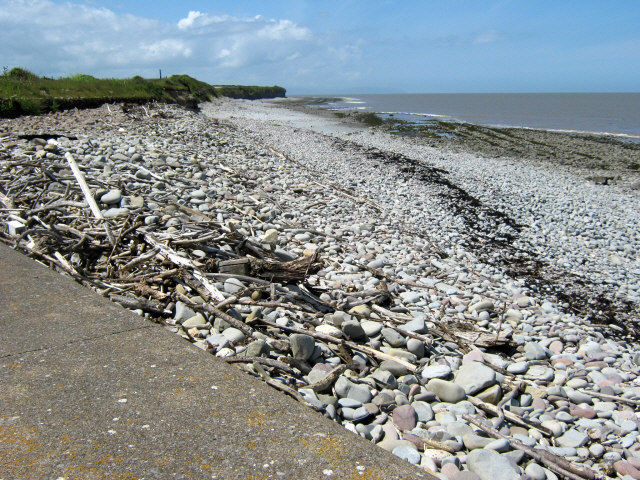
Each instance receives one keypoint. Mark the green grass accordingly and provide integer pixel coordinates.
(23, 92)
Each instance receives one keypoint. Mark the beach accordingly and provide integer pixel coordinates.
(464, 297)
(550, 207)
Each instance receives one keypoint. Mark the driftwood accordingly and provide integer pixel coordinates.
(86, 191)
(512, 417)
(555, 462)
(288, 272)
(163, 251)
(328, 380)
(613, 398)
(234, 322)
(280, 386)
(270, 362)
(137, 303)
(350, 344)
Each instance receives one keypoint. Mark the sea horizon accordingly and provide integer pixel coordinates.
(605, 113)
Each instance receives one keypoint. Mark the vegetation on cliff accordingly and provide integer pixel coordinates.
(23, 92)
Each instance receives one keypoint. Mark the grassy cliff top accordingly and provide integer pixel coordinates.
(23, 92)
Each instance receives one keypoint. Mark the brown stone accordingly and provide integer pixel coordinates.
(404, 417)
(416, 440)
(539, 403)
(556, 346)
(605, 383)
(584, 412)
(522, 431)
(625, 468)
(474, 355)
(596, 363)
(466, 475)
(566, 361)
(450, 470)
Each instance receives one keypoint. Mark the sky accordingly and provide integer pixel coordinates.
(336, 46)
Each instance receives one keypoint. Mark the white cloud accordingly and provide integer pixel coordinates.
(56, 39)
(188, 22)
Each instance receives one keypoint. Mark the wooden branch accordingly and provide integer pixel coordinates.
(326, 382)
(86, 191)
(137, 261)
(288, 272)
(6, 201)
(269, 362)
(554, 462)
(281, 386)
(57, 204)
(138, 303)
(438, 445)
(613, 398)
(173, 256)
(512, 417)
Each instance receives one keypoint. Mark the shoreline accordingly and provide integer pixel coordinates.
(600, 157)
(477, 109)
(410, 316)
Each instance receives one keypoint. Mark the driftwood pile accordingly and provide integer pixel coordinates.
(49, 206)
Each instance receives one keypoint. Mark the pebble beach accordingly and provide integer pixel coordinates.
(476, 316)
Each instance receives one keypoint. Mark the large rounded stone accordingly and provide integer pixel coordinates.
(407, 453)
(535, 472)
(446, 391)
(197, 319)
(385, 377)
(395, 368)
(474, 377)
(436, 371)
(302, 346)
(257, 348)
(482, 306)
(416, 347)
(535, 351)
(346, 388)
(371, 328)
(354, 330)
(423, 411)
(393, 338)
(572, 438)
(234, 335)
(112, 197)
(473, 441)
(490, 465)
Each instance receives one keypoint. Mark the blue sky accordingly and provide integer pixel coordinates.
(330, 47)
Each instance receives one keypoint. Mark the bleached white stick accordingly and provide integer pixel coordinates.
(172, 255)
(83, 185)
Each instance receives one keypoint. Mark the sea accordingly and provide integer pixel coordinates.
(616, 114)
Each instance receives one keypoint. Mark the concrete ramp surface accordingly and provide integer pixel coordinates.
(88, 390)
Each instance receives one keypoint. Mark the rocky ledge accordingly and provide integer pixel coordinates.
(319, 263)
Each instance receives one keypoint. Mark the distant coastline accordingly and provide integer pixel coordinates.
(615, 114)
(602, 158)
